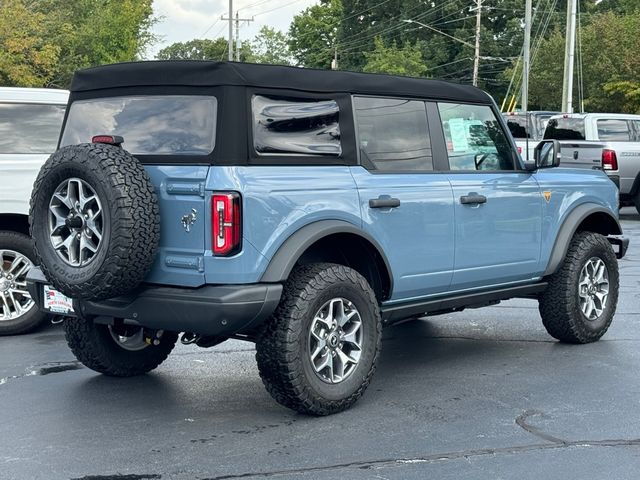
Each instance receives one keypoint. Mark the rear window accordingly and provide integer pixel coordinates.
(295, 126)
(150, 125)
(29, 128)
(614, 130)
(566, 128)
(517, 125)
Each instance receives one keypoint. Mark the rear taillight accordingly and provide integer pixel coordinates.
(226, 223)
(519, 149)
(609, 160)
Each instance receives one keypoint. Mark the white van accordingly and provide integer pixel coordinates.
(30, 122)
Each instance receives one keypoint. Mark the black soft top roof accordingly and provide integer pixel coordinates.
(206, 74)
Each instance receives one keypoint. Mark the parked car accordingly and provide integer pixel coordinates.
(30, 121)
(304, 210)
(619, 135)
(527, 128)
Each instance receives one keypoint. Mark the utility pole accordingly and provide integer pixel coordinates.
(230, 19)
(476, 58)
(230, 30)
(525, 71)
(334, 62)
(569, 52)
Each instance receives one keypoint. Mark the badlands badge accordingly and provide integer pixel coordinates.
(547, 196)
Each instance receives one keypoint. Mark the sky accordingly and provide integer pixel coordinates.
(184, 20)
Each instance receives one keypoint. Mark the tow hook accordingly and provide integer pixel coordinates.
(152, 337)
(188, 338)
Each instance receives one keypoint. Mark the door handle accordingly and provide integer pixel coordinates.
(384, 202)
(473, 199)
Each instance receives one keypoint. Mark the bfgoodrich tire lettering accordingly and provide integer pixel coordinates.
(282, 350)
(560, 307)
(130, 221)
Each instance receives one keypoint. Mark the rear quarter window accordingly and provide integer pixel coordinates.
(614, 130)
(150, 125)
(29, 128)
(295, 126)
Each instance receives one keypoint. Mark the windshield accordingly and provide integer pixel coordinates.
(150, 125)
(565, 128)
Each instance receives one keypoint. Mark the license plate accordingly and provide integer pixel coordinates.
(56, 302)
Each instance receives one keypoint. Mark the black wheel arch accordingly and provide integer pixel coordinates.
(585, 217)
(336, 241)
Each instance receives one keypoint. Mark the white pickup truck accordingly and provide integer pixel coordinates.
(527, 129)
(618, 136)
(30, 122)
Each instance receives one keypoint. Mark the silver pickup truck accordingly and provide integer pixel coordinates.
(527, 129)
(619, 136)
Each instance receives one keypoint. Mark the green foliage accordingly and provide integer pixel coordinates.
(611, 66)
(202, 49)
(51, 39)
(397, 61)
(28, 56)
(313, 34)
(270, 46)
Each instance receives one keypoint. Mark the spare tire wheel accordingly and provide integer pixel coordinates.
(94, 220)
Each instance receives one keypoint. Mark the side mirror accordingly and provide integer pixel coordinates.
(547, 154)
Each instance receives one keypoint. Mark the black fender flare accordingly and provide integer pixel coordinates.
(293, 248)
(568, 229)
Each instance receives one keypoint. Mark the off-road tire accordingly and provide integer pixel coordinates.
(560, 306)
(94, 347)
(281, 350)
(21, 243)
(130, 215)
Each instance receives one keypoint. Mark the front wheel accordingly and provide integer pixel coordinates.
(318, 351)
(580, 301)
(117, 350)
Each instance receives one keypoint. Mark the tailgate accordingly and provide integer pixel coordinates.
(581, 154)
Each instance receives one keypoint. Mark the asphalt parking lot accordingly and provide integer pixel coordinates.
(479, 394)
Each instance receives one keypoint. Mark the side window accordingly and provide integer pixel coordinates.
(285, 126)
(474, 138)
(30, 128)
(614, 130)
(393, 134)
(636, 127)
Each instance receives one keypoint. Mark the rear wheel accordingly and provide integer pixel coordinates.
(18, 312)
(318, 351)
(580, 301)
(117, 350)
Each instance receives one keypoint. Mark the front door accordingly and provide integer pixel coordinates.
(405, 205)
(498, 208)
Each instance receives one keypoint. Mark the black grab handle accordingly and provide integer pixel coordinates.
(384, 202)
(473, 199)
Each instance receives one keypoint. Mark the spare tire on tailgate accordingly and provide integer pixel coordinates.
(94, 220)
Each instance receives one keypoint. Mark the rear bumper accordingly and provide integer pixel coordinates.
(219, 310)
(621, 242)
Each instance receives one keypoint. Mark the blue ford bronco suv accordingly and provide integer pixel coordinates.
(303, 210)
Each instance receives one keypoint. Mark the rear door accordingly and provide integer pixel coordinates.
(623, 137)
(498, 209)
(406, 205)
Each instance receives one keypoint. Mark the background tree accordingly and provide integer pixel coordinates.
(270, 46)
(53, 38)
(313, 34)
(202, 49)
(28, 56)
(397, 61)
